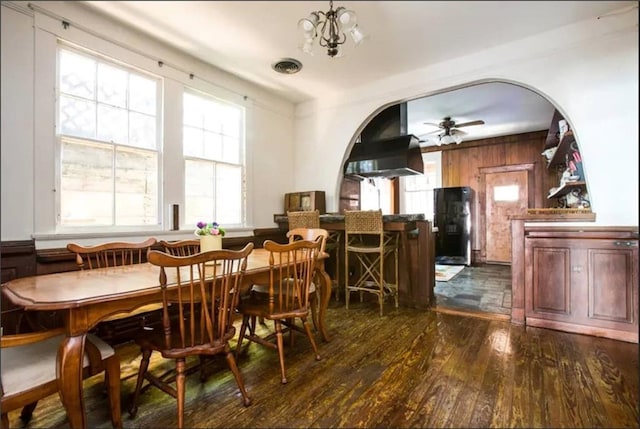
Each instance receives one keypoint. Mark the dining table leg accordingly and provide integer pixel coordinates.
(70, 357)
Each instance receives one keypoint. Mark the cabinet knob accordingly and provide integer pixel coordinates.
(625, 243)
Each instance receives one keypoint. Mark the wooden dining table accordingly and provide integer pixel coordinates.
(86, 297)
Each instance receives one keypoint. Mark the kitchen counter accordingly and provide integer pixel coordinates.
(416, 253)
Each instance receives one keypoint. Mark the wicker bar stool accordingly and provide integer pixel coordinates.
(367, 242)
(311, 219)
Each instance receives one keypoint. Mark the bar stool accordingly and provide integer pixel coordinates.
(366, 240)
(311, 219)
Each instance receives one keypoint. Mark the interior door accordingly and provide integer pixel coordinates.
(507, 194)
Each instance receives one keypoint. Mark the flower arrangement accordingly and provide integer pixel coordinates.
(211, 228)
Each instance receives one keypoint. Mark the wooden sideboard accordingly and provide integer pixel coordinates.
(576, 279)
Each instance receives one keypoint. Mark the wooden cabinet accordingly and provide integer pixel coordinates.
(583, 284)
(563, 158)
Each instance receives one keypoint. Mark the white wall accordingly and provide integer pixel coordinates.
(28, 73)
(589, 71)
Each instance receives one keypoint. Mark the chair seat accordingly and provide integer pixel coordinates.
(260, 288)
(154, 339)
(29, 366)
(257, 305)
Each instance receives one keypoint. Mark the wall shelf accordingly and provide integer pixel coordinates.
(566, 188)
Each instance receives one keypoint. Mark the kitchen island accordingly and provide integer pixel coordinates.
(416, 256)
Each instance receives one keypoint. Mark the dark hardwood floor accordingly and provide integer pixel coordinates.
(408, 368)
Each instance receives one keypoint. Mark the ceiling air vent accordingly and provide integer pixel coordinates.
(287, 66)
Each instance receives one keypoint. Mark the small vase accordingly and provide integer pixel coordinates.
(210, 242)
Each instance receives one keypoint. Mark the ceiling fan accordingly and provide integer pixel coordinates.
(449, 130)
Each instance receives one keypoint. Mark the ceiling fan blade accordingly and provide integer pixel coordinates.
(456, 131)
(431, 123)
(431, 132)
(467, 124)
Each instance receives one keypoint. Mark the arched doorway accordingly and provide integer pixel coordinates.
(509, 130)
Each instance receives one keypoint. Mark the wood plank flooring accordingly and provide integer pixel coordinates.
(408, 368)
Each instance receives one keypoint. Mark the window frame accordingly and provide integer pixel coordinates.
(242, 158)
(58, 137)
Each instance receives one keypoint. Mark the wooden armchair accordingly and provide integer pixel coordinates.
(28, 371)
(181, 247)
(205, 313)
(333, 241)
(311, 234)
(113, 254)
(292, 267)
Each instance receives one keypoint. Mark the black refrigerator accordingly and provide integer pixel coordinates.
(452, 217)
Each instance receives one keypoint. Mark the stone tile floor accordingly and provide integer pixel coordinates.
(484, 288)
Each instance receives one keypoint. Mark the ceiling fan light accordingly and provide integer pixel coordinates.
(457, 138)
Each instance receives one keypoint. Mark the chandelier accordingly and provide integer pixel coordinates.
(330, 29)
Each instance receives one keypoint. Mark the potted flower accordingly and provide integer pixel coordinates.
(210, 235)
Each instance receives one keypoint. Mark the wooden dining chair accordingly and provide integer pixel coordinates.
(311, 219)
(112, 254)
(186, 247)
(28, 371)
(291, 269)
(202, 320)
(310, 234)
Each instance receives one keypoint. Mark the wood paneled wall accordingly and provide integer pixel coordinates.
(461, 166)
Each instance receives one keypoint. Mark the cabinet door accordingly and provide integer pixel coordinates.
(613, 283)
(583, 285)
(549, 280)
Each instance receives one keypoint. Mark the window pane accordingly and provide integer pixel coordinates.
(199, 204)
(142, 94)
(142, 130)
(231, 150)
(213, 118)
(193, 141)
(229, 194)
(193, 110)
(86, 184)
(77, 75)
(112, 124)
(231, 122)
(136, 187)
(112, 85)
(77, 117)
(212, 146)
(506, 193)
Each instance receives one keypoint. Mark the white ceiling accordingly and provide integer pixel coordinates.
(246, 37)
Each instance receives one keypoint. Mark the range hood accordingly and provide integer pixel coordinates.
(389, 157)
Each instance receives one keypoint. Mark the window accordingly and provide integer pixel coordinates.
(418, 189)
(213, 133)
(506, 193)
(375, 193)
(108, 126)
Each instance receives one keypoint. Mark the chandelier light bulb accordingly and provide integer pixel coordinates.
(346, 18)
(356, 35)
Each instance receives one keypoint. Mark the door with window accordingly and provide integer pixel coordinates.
(506, 193)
